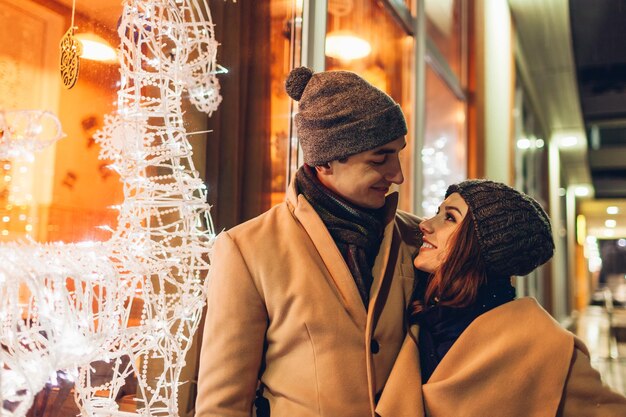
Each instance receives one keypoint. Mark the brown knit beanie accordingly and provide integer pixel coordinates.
(513, 229)
(341, 114)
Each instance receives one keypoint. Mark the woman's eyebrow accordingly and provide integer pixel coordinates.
(453, 208)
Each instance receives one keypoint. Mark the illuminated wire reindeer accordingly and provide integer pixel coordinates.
(80, 297)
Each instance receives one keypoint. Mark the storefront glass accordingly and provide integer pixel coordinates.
(363, 37)
(444, 155)
(445, 25)
(64, 192)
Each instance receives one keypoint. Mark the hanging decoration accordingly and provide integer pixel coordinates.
(70, 51)
(64, 307)
(27, 131)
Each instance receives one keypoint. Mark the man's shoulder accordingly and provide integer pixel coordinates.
(407, 218)
(267, 221)
(408, 225)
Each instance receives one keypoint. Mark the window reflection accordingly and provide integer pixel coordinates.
(387, 65)
(63, 192)
(444, 155)
(445, 25)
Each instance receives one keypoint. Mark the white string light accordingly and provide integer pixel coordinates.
(65, 306)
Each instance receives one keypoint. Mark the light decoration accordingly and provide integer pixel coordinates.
(591, 251)
(23, 132)
(437, 172)
(66, 306)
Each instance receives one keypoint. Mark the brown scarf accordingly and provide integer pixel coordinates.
(357, 232)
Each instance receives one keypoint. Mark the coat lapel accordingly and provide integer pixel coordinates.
(335, 264)
(379, 271)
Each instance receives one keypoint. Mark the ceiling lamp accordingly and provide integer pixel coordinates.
(346, 46)
(96, 48)
(568, 141)
(582, 191)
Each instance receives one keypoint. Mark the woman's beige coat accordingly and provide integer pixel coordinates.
(513, 361)
(283, 307)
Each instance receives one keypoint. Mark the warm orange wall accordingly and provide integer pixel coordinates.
(84, 187)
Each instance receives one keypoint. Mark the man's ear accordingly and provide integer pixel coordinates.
(324, 169)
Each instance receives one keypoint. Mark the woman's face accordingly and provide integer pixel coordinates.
(437, 232)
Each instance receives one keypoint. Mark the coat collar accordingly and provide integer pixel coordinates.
(512, 360)
(335, 264)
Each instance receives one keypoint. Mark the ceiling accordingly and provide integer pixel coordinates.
(599, 41)
(572, 62)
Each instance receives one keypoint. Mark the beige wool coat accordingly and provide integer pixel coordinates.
(512, 361)
(283, 307)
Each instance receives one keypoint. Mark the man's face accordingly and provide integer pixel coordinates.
(364, 179)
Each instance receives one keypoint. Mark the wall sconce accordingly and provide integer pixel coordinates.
(96, 48)
(346, 46)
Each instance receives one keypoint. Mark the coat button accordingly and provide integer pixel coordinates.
(374, 346)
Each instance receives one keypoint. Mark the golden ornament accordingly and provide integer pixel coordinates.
(71, 49)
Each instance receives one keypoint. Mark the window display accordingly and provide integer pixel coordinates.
(94, 314)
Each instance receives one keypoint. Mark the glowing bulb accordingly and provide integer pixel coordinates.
(523, 143)
(581, 191)
(612, 210)
(610, 223)
(568, 141)
(96, 48)
(346, 46)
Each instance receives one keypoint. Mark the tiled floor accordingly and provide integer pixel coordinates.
(606, 343)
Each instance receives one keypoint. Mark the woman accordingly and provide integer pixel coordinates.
(481, 352)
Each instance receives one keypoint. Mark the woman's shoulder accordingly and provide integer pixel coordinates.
(521, 317)
(517, 346)
(518, 331)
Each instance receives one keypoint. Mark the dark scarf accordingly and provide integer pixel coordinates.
(441, 326)
(357, 231)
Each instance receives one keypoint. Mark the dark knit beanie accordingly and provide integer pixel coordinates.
(513, 230)
(340, 114)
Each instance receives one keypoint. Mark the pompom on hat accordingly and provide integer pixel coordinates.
(513, 230)
(341, 114)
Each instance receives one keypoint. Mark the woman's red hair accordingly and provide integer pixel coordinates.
(456, 282)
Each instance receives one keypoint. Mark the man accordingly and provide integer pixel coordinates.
(306, 303)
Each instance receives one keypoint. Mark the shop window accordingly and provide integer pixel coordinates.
(363, 37)
(53, 186)
(248, 152)
(445, 26)
(65, 193)
(61, 192)
(444, 155)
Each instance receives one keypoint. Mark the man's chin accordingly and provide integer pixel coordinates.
(375, 203)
